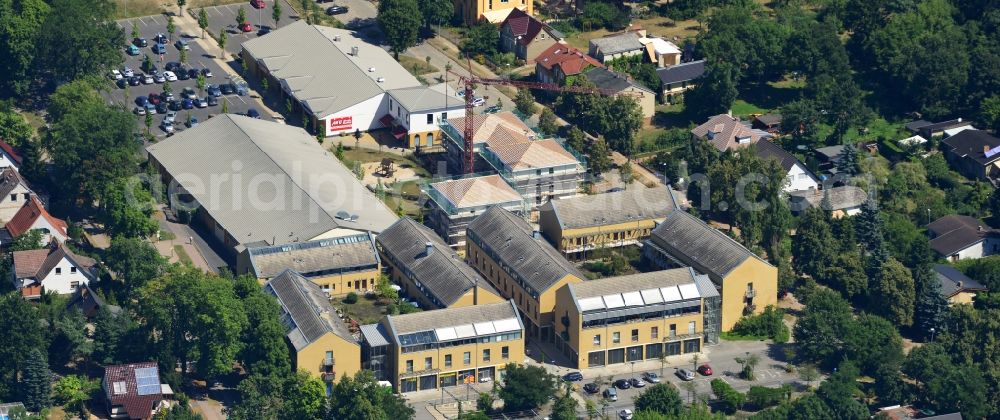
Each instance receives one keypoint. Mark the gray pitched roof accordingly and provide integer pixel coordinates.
(290, 189)
(768, 150)
(306, 311)
(953, 281)
(694, 243)
(614, 44)
(682, 72)
(633, 204)
(609, 80)
(345, 253)
(971, 144)
(316, 64)
(954, 232)
(375, 335)
(442, 273)
(511, 239)
(9, 180)
(843, 197)
(451, 317)
(632, 282)
(726, 132)
(423, 99)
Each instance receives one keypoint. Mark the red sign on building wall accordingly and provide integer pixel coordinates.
(341, 123)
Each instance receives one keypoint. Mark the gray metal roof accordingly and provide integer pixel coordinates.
(277, 184)
(953, 281)
(633, 282)
(306, 311)
(316, 64)
(634, 204)
(423, 99)
(442, 273)
(682, 72)
(614, 44)
(375, 335)
(706, 287)
(609, 80)
(842, 197)
(451, 317)
(512, 240)
(310, 258)
(694, 243)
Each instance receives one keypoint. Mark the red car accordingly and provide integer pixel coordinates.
(705, 370)
(246, 27)
(257, 4)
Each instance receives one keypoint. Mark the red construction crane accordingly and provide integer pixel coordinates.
(468, 81)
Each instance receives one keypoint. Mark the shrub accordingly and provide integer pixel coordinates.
(351, 298)
(767, 324)
(763, 397)
(731, 399)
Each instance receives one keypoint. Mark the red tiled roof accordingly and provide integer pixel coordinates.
(571, 60)
(10, 151)
(27, 263)
(137, 406)
(524, 27)
(25, 218)
(37, 263)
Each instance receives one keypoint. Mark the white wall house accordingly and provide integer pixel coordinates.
(14, 193)
(800, 179)
(957, 237)
(34, 216)
(52, 269)
(8, 157)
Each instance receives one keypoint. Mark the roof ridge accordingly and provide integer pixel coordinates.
(719, 233)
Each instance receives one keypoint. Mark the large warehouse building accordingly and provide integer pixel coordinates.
(345, 84)
(254, 183)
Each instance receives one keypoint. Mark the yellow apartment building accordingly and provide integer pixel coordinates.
(636, 317)
(746, 282)
(518, 262)
(428, 270)
(320, 341)
(494, 11)
(444, 348)
(338, 265)
(578, 225)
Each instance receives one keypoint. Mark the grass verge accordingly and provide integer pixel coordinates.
(182, 255)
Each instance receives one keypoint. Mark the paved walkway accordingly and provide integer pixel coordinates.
(201, 253)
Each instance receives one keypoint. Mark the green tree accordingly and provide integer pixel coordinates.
(32, 166)
(525, 387)
(72, 391)
(524, 102)
(361, 396)
(264, 349)
(200, 83)
(930, 306)
(93, 49)
(182, 56)
(625, 173)
(69, 338)
(577, 140)
(715, 92)
(800, 118)
(36, 382)
(848, 163)
(661, 398)
(485, 402)
(20, 26)
(127, 209)
(400, 21)
(890, 386)
(547, 122)
(624, 119)
(436, 12)
(812, 246)
(135, 30)
(203, 21)
(111, 332)
(944, 385)
(564, 408)
(483, 39)
(148, 122)
(820, 330)
(892, 293)
(241, 16)
(171, 28)
(20, 322)
(868, 329)
(14, 129)
(989, 113)
(276, 13)
(808, 373)
(846, 273)
(134, 262)
(599, 157)
(223, 37)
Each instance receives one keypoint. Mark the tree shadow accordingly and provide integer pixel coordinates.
(768, 96)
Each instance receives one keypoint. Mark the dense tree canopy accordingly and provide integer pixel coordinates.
(400, 21)
(81, 39)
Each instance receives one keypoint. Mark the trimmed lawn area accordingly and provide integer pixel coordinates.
(365, 311)
(742, 108)
(416, 66)
(182, 255)
(657, 25)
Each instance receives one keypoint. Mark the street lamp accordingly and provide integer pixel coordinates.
(932, 335)
(633, 368)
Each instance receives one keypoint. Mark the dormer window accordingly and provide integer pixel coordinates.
(119, 387)
(743, 139)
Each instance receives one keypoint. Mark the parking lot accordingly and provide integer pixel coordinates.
(224, 18)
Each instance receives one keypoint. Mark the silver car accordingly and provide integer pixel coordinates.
(685, 375)
(651, 377)
(171, 117)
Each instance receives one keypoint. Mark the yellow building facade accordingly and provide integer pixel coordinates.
(494, 11)
(748, 289)
(329, 357)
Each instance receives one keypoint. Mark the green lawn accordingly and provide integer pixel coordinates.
(182, 255)
(743, 108)
(365, 311)
(416, 66)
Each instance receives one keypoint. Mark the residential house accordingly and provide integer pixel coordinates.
(134, 390)
(34, 216)
(661, 52)
(454, 203)
(578, 225)
(445, 348)
(9, 410)
(828, 158)
(680, 78)
(502, 125)
(320, 341)
(770, 123)
(338, 265)
(519, 263)
(927, 129)
(493, 11)
(637, 317)
(620, 84)
(55, 269)
(955, 286)
(625, 44)
(526, 36)
(89, 303)
(726, 132)
(308, 194)
(797, 176)
(845, 200)
(9, 158)
(343, 83)
(974, 153)
(747, 283)
(429, 271)
(14, 193)
(957, 237)
(538, 170)
(561, 62)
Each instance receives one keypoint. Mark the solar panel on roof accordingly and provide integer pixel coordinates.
(465, 331)
(147, 381)
(415, 339)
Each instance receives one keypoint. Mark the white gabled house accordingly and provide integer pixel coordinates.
(14, 193)
(9, 158)
(54, 268)
(798, 176)
(33, 216)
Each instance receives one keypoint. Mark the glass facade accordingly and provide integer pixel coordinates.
(595, 358)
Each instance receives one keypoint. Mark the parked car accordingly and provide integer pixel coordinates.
(591, 388)
(171, 116)
(160, 38)
(140, 42)
(192, 73)
(159, 78)
(141, 100)
(128, 72)
(227, 89)
(478, 102)
(171, 65)
(651, 377)
(625, 414)
(167, 127)
(135, 80)
(206, 72)
(187, 103)
(258, 4)
(240, 89)
(152, 69)
(132, 50)
(188, 93)
(323, 1)
(182, 74)
(336, 10)
(139, 110)
(170, 76)
(685, 375)
(212, 101)
(637, 383)
(610, 394)
(252, 113)
(573, 377)
(161, 108)
(705, 370)
(201, 103)
(213, 90)
(182, 44)
(191, 122)
(150, 108)
(460, 93)
(154, 99)
(115, 74)
(159, 48)
(174, 105)
(623, 384)
(121, 83)
(147, 79)
(246, 27)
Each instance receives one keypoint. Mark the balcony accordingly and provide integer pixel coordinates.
(751, 294)
(328, 376)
